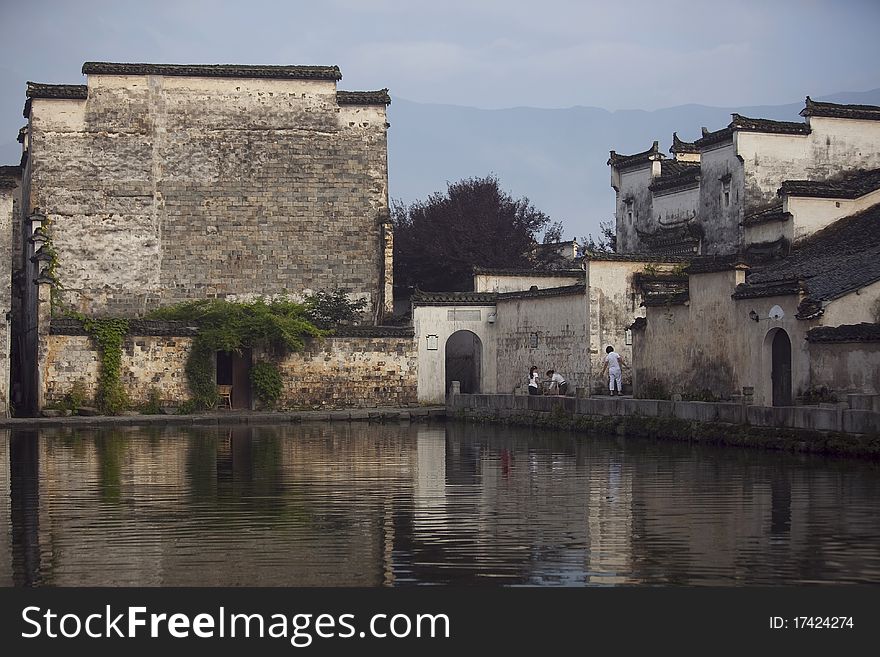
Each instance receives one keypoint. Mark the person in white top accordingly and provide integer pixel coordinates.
(534, 383)
(558, 384)
(613, 363)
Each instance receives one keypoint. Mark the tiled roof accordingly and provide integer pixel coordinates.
(714, 263)
(635, 257)
(379, 97)
(679, 146)
(567, 273)
(420, 298)
(832, 262)
(709, 138)
(373, 332)
(66, 326)
(564, 290)
(768, 289)
(676, 175)
(771, 213)
(626, 161)
(851, 185)
(62, 91)
(489, 298)
(864, 332)
(666, 299)
(746, 124)
(835, 110)
(216, 71)
(682, 238)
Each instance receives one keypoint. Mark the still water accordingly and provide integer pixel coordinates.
(386, 505)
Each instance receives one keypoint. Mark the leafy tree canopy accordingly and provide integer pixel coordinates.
(438, 242)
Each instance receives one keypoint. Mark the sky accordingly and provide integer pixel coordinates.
(487, 54)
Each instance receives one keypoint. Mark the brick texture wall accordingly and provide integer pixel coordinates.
(160, 189)
(358, 371)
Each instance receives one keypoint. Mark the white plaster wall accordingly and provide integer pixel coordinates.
(433, 320)
(712, 343)
(847, 367)
(768, 232)
(862, 305)
(559, 321)
(511, 283)
(613, 305)
(810, 215)
(673, 207)
(834, 145)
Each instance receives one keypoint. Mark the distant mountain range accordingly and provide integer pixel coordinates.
(555, 157)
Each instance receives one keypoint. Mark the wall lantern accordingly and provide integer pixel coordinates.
(753, 316)
(491, 318)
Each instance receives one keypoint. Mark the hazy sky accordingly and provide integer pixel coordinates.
(613, 54)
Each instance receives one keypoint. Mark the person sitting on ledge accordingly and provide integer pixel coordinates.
(558, 384)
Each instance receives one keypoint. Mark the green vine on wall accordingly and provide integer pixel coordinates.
(279, 327)
(109, 335)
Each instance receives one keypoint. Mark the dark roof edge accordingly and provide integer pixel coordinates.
(215, 70)
(840, 111)
(554, 273)
(864, 332)
(564, 290)
(379, 97)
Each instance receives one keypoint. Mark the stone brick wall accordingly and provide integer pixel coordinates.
(147, 362)
(352, 371)
(371, 369)
(162, 188)
(7, 193)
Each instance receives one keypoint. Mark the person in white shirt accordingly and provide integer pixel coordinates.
(614, 364)
(558, 384)
(534, 383)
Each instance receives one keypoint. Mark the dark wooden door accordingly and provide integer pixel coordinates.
(781, 369)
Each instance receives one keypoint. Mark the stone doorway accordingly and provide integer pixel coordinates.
(464, 352)
(234, 369)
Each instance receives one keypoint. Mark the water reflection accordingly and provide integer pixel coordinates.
(379, 505)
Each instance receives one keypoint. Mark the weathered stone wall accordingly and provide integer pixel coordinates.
(560, 324)
(801, 429)
(7, 200)
(633, 196)
(675, 206)
(160, 189)
(354, 372)
(720, 215)
(357, 371)
(147, 362)
(847, 367)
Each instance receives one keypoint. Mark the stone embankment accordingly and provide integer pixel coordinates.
(410, 414)
(851, 428)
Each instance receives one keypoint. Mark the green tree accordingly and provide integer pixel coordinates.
(438, 242)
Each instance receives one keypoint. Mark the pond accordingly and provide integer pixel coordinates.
(365, 504)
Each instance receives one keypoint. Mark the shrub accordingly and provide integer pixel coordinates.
(267, 382)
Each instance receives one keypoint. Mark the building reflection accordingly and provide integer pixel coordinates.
(378, 505)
